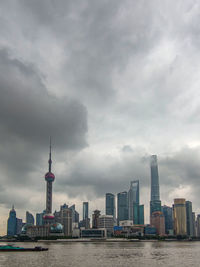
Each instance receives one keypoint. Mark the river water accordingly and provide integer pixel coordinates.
(106, 254)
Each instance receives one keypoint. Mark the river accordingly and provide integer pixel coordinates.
(106, 254)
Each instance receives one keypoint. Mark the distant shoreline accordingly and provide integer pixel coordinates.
(113, 240)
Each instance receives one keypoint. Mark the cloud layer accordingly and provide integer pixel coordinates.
(112, 82)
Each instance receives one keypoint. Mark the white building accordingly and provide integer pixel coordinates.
(106, 221)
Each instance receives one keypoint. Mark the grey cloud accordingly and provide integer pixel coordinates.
(92, 177)
(29, 112)
(29, 115)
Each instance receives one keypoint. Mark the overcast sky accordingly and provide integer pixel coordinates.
(112, 82)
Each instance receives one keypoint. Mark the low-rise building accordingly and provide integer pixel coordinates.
(106, 221)
(93, 233)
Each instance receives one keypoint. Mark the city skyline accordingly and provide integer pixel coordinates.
(134, 188)
(112, 82)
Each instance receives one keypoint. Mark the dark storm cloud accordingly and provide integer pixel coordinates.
(29, 115)
(97, 39)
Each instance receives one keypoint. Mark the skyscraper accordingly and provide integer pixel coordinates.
(66, 219)
(110, 205)
(95, 219)
(190, 230)
(138, 213)
(155, 203)
(179, 212)
(49, 177)
(194, 224)
(158, 221)
(86, 220)
(39, 218)
(85, 210)
(122, 206)
(168, 214)
(19, 225)
(12, 223)
(133, 198)
(29, 218)
(198, 225)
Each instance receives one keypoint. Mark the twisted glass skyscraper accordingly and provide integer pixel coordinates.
(155, 203)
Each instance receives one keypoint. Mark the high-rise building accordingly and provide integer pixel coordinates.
(66, 219)
(158, 221)
(179, 214)
(122, 206)
(133, 197)
(12, 223)
(198, 225)
(19, 225)
(194, 224)
(155, 203)
(110, 205)
(168, 214)
(85, 210)
(190, 230)
(138, 213)
(95, 219)
(29, 218)
(39, 218)
(49, 177)
(86, 220)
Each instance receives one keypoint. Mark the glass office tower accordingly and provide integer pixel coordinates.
(85, 210)
(155, 203)
(133, 198)
(122, 206)
(110, 204)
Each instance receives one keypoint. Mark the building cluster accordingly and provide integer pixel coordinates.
(126, 220)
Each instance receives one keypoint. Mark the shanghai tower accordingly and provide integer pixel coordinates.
(49, 177)
(155, 203)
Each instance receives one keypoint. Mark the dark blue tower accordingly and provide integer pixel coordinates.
(155, 203)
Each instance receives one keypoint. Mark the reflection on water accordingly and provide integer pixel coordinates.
(107, 254)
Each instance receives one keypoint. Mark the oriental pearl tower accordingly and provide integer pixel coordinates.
(49, 177)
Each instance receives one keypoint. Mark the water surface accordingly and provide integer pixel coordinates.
(106, 254)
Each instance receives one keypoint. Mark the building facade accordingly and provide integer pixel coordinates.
(138, 214)
(168, 214)
(190, 226)
(158, 221)
(85, 210)
(86, 221)
(95, 219)
(155, 203)
(106, 221)
(133, 198)
(122, 206)
(198, 225)
(110, 205)
(19, 225)
(179, 214)
(39, 218)
(29, 218)
(12, 223)
(66, 220)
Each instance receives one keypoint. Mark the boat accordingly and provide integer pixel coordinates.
(14, 248)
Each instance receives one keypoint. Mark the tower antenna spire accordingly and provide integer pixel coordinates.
(50, 161)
